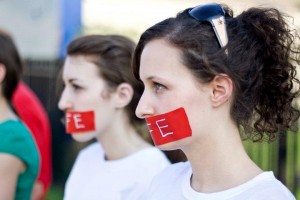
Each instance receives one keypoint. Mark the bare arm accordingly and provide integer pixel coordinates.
(10, 168)
(37, 191)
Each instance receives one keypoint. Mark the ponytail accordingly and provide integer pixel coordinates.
(263, 54)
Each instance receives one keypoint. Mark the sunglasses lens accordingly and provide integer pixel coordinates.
(214, 14)
(206, 12)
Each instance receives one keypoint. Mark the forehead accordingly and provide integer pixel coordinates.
(159, 48)
(161, 58)
(79, 67)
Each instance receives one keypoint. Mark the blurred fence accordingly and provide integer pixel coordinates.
(41, 76)
(282, 157)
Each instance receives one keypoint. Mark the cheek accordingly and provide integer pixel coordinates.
(104, 117)
(89, 102)
(168, 103)
(198, 113)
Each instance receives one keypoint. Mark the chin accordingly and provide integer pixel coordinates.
(83, 137)
(175, 144)
(168, 147)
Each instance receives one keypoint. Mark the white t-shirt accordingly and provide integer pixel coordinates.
(92, 177)
(174, 183)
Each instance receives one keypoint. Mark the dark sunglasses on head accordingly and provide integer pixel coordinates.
(215, 15)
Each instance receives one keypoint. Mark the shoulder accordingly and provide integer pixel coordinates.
(94, 148)
(87, 161)
(172, 173)
(12, 125)
(151, 158)
(17, 141)
(168, 183)
(90, 152)
(14, 131)
(180, 168)
(10, 165)
(153, 153)
(268, 187)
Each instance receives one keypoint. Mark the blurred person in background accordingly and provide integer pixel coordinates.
(33, 114)
(215, 79)
(19, 158)
(99, 99)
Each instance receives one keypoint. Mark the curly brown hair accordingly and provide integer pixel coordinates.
(260, 58)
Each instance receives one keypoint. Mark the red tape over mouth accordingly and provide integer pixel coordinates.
(169, 127)
(80, 122)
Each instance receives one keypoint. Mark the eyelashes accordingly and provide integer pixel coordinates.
(158, 87)
(76, 87)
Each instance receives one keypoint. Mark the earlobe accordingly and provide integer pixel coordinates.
(2, 72)
(221, 89)
(123, 95)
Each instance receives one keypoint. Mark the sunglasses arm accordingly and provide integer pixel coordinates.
(219, 27)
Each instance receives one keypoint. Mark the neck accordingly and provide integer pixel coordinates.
(220, 158)
(121, 141)
(6, 112)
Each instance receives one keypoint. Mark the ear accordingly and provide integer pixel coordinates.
(123, 95)
(221, 89)
(2, 72)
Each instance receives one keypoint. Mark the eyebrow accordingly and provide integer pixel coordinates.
(150, 78)
(155, 78)
(72, 80)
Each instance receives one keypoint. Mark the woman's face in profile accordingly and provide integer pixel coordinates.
(84, 90)
(170, 85)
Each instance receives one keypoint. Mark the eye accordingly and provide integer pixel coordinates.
(76, 87)
(158, 88)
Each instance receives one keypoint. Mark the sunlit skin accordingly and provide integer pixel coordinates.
(86, 90)
(215, 150)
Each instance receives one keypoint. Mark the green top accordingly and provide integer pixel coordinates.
(15, 139)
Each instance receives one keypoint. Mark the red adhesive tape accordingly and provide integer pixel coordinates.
(80, 122)
(169, 127)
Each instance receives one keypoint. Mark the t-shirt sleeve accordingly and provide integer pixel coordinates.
(15, 140)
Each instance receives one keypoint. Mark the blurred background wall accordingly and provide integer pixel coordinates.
(43, 28)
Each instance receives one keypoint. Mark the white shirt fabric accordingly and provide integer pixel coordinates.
(174, 183)
(92, 177)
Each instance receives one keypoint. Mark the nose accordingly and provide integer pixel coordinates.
(144, 108)
(64, 102)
